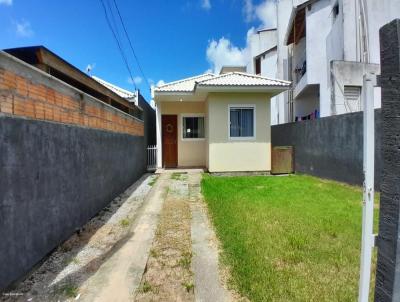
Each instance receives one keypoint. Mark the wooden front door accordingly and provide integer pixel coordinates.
(169, 141)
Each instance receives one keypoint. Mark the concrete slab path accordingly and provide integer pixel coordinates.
(119, 277)
(150, 230)
(208, 286)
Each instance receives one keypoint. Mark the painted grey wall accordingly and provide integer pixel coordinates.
(330, 147)
(387, 287)
(53, 179)
(149, 119)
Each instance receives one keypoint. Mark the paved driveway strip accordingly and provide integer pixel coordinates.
(119, 277)
(208, 286)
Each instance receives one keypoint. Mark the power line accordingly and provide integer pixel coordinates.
(113, 19)
(130, 44)
(118, 43)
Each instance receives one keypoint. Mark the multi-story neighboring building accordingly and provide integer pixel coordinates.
(264, 54)
(324, 47)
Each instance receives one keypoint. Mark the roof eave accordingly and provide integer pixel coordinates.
(172, 92)
(244, 88)
(290, 25)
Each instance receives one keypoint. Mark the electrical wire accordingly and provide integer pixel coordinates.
(131, 46)
(118, 43)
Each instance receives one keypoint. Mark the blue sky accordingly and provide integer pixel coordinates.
(172, 39)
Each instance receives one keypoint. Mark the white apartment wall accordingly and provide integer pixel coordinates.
(346, 73)
(269, 65)
(335, 47)
(266, 40)
(331, 39)
(350, 21)
(318, 27)
(379, 13)
(305, 105)
(259, 43)
(284, 9)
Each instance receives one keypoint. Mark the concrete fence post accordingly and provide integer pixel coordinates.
(388, 268)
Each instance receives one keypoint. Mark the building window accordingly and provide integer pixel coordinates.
(192, 127)
(257, 65)
(241, 122)
(335, 11)
(352, 93)
(352, 98)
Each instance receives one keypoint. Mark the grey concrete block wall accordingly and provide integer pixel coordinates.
(53, 179)
(330, 147)
(387, 286)
(149, 118)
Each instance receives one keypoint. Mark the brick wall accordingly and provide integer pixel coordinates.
(24, 94)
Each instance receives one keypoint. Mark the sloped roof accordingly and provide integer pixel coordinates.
(184, 85)
(230, 79)
(242, 79)
(118, 90)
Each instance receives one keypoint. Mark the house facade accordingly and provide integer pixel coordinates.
(325, 47)
(220, 122)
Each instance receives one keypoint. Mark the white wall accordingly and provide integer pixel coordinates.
(260, 42)
(379, 13)
(245, 154)
(284, 9)
(318, 27)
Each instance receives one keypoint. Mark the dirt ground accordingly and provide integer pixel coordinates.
(168, 276)
(59, 277)
(154, 242)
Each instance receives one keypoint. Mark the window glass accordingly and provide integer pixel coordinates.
(241, 122)
(193, 127)
(258, 65)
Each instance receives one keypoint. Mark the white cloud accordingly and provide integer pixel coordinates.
(265, 12)
(6, 2)
(23, 29)
(136, 80)
(160, 83)
(248, 10)
(206, 4)
(223, 52)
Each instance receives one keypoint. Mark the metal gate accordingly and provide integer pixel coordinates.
(151, 157)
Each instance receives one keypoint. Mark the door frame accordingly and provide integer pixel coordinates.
(176, 140)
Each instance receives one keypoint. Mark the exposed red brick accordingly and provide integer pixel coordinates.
(19, 96)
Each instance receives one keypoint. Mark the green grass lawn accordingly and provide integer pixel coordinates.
(289, 238)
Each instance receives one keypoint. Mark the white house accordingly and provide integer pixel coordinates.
(324, 47)
(220, 122)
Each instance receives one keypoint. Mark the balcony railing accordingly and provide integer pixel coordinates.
(299, 64)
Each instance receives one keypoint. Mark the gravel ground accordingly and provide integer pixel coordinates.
(73, 262)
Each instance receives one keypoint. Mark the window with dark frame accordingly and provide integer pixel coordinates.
(241, 122)
(192, 127)
(335, 10)
(257, 63)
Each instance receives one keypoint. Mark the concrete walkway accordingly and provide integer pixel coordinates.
(119, 277)
(152, 232)
(208, 286)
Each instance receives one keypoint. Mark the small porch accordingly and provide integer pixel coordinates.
(183, 138)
